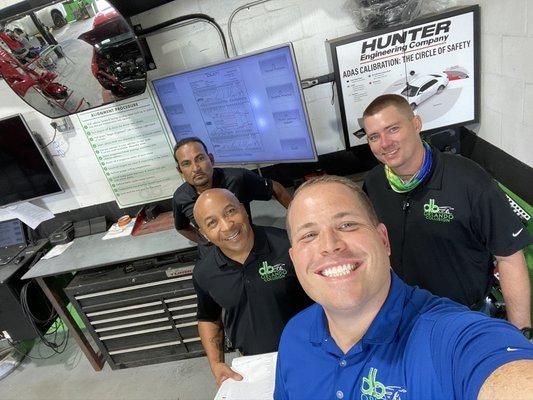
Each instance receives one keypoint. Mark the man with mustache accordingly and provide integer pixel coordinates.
(249, 275)
(195, 164)
(447, 219)
(371, 336)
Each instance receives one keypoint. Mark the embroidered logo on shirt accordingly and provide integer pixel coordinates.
(272, 272)
(515, 234)
(433, 212)
(372, 389)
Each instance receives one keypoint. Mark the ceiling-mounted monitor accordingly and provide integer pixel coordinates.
(24, 171)
(247, 110)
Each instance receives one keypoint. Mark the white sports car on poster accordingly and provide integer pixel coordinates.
(421, 88)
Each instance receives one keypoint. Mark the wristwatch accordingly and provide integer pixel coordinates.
(527, 332)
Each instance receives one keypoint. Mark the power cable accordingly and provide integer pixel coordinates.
(53, 138)
(38, 323)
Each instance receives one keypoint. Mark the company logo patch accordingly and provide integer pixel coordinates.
(515, 234)
(433, 212)
(272, 272)
(372, 389)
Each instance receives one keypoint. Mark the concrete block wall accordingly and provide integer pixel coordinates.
(506, 57)
(305, 23)
(507, 76)
(506, 79)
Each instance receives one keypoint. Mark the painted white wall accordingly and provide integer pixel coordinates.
(506, 83)
(507, 76)
(305, 23)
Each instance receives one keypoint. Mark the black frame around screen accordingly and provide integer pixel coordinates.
(366, 35)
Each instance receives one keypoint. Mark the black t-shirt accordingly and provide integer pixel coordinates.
(244, 184)
(445, 232)
(258, 297)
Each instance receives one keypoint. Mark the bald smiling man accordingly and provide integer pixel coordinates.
(249, 275)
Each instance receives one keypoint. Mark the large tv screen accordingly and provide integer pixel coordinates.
(433, 62)
(24, 172)
(248, 110)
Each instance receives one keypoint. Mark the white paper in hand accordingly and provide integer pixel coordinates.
(259, 374)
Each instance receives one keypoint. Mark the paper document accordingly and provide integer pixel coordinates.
(259, 375)
(115, 231)
(28, 213)
(57, 250)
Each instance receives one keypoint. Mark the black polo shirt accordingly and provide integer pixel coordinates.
(244, 184)
(445, 232)
(258, 297)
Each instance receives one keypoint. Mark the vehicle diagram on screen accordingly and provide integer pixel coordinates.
(421, 88)
(280, 92)
(167, 89)
(226, 110)
(182, 131)
(287, 119)
(274, 65)
(175, 109)
(431, 95)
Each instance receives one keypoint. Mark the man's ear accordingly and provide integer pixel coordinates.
(417, 122)
(202, 233)
(382, 229)
(211, 157)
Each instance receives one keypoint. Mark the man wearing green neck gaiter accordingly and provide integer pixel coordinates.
(446, 217)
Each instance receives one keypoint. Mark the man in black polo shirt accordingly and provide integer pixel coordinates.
(446, 217)
(249, 275)
(195, 165)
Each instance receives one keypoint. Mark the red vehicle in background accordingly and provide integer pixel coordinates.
(23, 77)
(117, 62)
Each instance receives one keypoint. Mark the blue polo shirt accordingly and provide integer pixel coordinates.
(419, 346)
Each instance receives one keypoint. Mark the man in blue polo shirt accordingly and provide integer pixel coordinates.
(371, 336)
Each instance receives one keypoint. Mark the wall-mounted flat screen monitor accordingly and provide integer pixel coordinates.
(432, 62)
(24, 171)
(248, 110)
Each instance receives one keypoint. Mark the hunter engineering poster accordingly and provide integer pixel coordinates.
(432, 63)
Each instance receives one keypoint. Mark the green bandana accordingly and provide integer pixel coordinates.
(400, 186)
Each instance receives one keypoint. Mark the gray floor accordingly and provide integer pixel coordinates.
(69, 376)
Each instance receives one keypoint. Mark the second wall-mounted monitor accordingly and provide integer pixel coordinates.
(247, 110)
(25, 174)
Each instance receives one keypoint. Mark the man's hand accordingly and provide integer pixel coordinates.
(222, 371)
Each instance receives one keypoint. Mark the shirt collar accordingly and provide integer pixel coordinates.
(260, 247)
(437, 170)
(218, 179)
(382, 329)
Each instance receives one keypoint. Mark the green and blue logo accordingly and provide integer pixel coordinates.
(433, 212)
(372, 389)
(272, 272)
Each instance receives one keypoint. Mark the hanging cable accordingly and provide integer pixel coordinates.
(180, 21)
(39, 323)
(53, 138)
